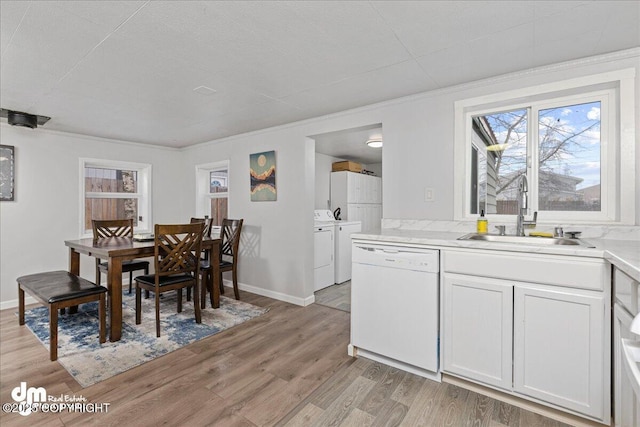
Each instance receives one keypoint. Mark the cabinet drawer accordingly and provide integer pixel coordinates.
(573, 272)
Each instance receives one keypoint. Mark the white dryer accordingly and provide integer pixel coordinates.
(324, 248)
(344, 230)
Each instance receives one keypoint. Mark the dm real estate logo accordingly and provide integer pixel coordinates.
(27, 397)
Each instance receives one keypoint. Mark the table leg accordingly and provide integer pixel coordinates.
(74, 268)
(74, 262)
(114, 280)
(215, 276)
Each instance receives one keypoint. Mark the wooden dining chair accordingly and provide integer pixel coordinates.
(207, 225)
(103, 229)
(177, 251)
(230, 235)
(205, 266)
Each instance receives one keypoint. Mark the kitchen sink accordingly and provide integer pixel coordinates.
(525, 239)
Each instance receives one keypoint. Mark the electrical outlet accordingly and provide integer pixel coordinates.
(429, 195)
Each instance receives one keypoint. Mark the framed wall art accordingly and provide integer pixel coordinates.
(263, 176)
(7, 173)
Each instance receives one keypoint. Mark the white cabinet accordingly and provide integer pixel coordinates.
(369, 214)
(559, 347)
(627, 404)
(627, 305)
(359, 198)
(478, 329)
(498, 304)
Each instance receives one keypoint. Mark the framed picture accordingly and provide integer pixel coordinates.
(7, 173)
(263, 176)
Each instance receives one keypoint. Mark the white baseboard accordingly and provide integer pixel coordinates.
(272, 294)
(14, 302)
(254, 290)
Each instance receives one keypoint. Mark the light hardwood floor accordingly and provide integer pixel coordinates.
(335, 296)
(287, 367)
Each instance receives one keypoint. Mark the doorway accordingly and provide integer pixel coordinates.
(338, 146)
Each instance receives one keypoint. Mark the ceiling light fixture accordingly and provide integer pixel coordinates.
(18, 118)
(375, 142)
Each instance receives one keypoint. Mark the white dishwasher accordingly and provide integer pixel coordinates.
(394, 306)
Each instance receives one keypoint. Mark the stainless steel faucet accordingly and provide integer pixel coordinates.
(523, 204)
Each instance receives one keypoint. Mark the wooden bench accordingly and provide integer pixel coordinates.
(58, 290)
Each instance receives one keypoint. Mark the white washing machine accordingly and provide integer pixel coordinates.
(324, 248)
(332, 265)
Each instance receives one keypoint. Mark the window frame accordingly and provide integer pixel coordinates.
(617, 138)
(203, 185)
(143, 195)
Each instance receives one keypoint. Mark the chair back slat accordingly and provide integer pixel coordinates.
(207, 225)
(230, 234)
(105, 228)
(177, 248)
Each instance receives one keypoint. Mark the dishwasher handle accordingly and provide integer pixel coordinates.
(397, 257)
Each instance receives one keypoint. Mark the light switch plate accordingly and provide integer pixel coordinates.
(429, 195)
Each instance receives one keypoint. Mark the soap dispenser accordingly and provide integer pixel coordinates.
(483, 224)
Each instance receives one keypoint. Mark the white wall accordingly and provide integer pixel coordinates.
(277, 243)
(323, 180)
(46, 209)
(276, 258)
(418, 153)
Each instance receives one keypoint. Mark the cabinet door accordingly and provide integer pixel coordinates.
(559, 348)
(354, 213)
(478, 329)
(626, 403)
(377, 189)
(354, 187)
(340, 193)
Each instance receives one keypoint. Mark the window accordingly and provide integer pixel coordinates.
(212, 198)
(115, 190)
(566, 142)
(565, 151)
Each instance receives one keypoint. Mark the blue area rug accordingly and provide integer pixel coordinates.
(80, 352)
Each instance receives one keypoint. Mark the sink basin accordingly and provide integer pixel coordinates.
(524, 239)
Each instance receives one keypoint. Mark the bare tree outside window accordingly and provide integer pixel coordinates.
(568, 151)
(569, 158)
(505, 138)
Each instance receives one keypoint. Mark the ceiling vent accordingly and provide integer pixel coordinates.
(18, 118)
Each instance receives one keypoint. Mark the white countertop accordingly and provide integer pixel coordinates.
(624, 254)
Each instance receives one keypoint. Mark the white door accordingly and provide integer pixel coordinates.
(478, 329)
(559, 347)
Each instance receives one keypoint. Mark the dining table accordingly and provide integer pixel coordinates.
(118, 249)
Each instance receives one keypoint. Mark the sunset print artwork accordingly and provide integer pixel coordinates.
(263, 176)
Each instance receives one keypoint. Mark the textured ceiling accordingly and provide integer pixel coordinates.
(129, 70)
